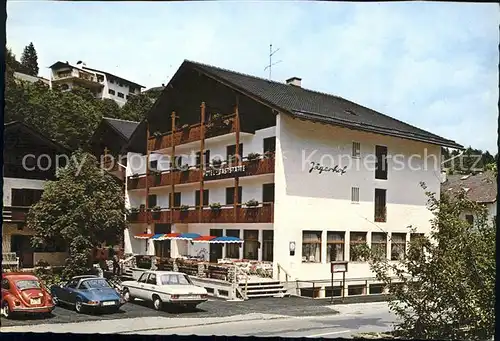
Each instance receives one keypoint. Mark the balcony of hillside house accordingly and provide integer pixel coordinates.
(15, 214)
(253, 164)
(78, 76)
(219, 125)
(243, 213)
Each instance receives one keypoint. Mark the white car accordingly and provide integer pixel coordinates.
(165, 287)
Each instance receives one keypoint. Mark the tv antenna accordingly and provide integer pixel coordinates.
(271, 64)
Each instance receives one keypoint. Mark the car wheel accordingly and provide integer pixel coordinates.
(126, 295)
(157, 303)
(79, 305)
(6, 310)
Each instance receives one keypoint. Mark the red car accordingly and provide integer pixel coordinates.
(23, 293)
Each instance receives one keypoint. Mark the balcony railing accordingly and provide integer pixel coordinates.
(192, 175)
(15, 213)
(263, 213)
(192, 133)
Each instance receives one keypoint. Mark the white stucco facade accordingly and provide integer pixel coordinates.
(309, 201)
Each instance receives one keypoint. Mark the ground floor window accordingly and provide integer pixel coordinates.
(311, 246)
(267, 245)
(251, 244)
(335, 246)
(398, 246)
(379, 244)
(233, 249)
(357, 242)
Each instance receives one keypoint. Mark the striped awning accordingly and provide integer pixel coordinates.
(158, 236)
(144, 236)
(203, 239)
(217, 240)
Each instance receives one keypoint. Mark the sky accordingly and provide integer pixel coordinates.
(432, 65)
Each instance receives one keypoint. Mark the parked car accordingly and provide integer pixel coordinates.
(23, 293)
(162, 287)
(87, 292)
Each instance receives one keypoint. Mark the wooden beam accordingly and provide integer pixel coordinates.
(238, 159)
(172, 165)
(147, 174)
(202, 156)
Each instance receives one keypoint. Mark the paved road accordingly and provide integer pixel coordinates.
(290, 306)
(286, 321)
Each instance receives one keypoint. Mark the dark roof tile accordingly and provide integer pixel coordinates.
(126, 128)
(481, 188)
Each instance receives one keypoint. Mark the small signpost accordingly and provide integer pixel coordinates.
(338, 266)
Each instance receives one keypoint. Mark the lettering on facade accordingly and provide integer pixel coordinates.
(315, 166)
(224, 171)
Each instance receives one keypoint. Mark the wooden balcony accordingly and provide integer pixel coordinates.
(191, 134)
(251, 168)
(264, 213)
(15, 214)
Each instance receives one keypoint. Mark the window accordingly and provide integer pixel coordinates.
(64, 87)
(469, 218)
(100, 78)
(379, 244)
(381, 163)
(207, 158)
(121, 95)
(233, 249)
(111, 92)
(355, 194)
(197, 198)
(72, 284)
(231, 152)
(380, 202)
(177, 162)
(143, 277)
(416, 240)
(251, 244)
(311, 246)
(335, 246)
(112, 81)
(131, 89)
(25, 196)
(268, 192)
(356, 244)
(152, 200)
(152, 279)
(356, 149)
(267, 245)
(153, 165)
(398, 246)
(177, 199)
(270, 144)
(230, 195)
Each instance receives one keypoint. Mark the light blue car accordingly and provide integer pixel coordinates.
(87, 293)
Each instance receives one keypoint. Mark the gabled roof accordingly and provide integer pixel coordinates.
(480, 188)
(114, 76)
(123, 127)
(316, 106)
(59, 64)
(32, 131)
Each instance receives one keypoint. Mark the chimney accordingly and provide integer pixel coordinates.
(294, 81)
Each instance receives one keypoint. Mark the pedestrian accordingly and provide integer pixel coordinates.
(116, 265)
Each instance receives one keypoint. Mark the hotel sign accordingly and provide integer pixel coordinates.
(315, 166)
(209, 173)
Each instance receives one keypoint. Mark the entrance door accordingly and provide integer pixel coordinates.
(215, 249)
(21, 245)
(163, 247)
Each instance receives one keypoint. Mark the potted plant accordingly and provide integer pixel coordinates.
(185, 168)
(134, 213)
(185, 127)
(157, 135)
(216, 162)
(157, 176)
(252, 203)
(156, 212)
(184, 208)
(253, 156)
(269, 155)
(142, 207)
(215, 206)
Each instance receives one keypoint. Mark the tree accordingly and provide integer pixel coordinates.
(447, 288)
(11, 63)
(138, 105)
(29, 60)
(83, 208)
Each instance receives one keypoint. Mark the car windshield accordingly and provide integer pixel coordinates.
(95, 283)
(28, 284)
(175, 279)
